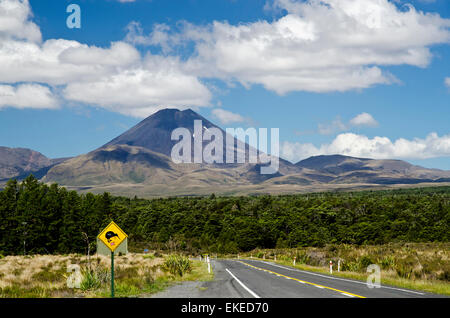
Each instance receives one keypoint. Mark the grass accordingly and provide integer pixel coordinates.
(419, 266)
(45, 276)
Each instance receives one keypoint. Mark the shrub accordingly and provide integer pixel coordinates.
(445, 275)
(388, 262)
(364, 262)
(90, 280)
(177, 265)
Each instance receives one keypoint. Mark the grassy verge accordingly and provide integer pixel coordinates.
(427, 286)
(419, 266)
(45, 276)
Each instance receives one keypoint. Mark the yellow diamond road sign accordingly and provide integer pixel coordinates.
(112, 236)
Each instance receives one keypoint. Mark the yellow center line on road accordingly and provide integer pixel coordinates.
(302, 281)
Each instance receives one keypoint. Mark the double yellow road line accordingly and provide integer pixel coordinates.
(304, 282)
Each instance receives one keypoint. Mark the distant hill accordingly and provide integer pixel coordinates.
(138, 163)
(345, 169)
(20, 162)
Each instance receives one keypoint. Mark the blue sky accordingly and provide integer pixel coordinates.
(388, 99)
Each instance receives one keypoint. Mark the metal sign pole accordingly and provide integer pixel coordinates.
(112, 274)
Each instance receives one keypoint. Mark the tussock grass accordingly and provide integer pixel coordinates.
(421, 266)
(135, 274)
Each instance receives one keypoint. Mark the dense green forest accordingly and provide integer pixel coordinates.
(37, 218)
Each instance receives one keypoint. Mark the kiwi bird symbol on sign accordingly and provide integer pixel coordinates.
(110, 234)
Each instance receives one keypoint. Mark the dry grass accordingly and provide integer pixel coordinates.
(46, 275)
(422, 266)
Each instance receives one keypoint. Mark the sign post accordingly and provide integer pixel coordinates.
(112, 236)
(112, 274)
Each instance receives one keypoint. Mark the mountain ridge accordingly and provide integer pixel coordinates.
(138, 161)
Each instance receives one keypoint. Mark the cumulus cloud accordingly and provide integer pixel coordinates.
(364, 119)
(27, 96)
(318, 46)
(116, 77)
(139, 92)
(447, 81)
(15, 23)
(227, 117)
(355, 145)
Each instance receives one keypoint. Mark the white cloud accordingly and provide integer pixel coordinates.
(227, 117)
(354, 145)
(118, 54)
(318, 46)
(330, 128)
(27, 96)
(360, 120)
(364, 119)
(447, 81)
(158, 36)
(116, 77)
(15, 23)
(142, 91)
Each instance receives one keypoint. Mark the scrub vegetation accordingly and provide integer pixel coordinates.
(421, 266)
(405, 231)
(41, 276)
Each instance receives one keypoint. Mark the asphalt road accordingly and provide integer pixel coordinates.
(260, 279)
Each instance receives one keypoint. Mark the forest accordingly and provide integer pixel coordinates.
(36, 218)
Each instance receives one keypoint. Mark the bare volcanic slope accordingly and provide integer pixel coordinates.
(345, 169)
(154, 132)
(141, 157)
(20, 162)
(138, 162)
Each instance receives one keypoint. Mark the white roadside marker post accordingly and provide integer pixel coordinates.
(295, 258)
(264, 256)
(331, 267)
(209, 265)
(339, 265)
(275, 257)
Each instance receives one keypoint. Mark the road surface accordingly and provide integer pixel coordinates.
(261, 279)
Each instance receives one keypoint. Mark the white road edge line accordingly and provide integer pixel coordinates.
(348, 295)
(242, 284)
(347, 280)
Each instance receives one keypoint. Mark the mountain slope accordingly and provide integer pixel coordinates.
(17, 162)
(345, 169)
(138, 162)
(154, 132)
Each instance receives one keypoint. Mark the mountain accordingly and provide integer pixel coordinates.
(154, 132)
(345, 169)
(20, 162)
(138, 162)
